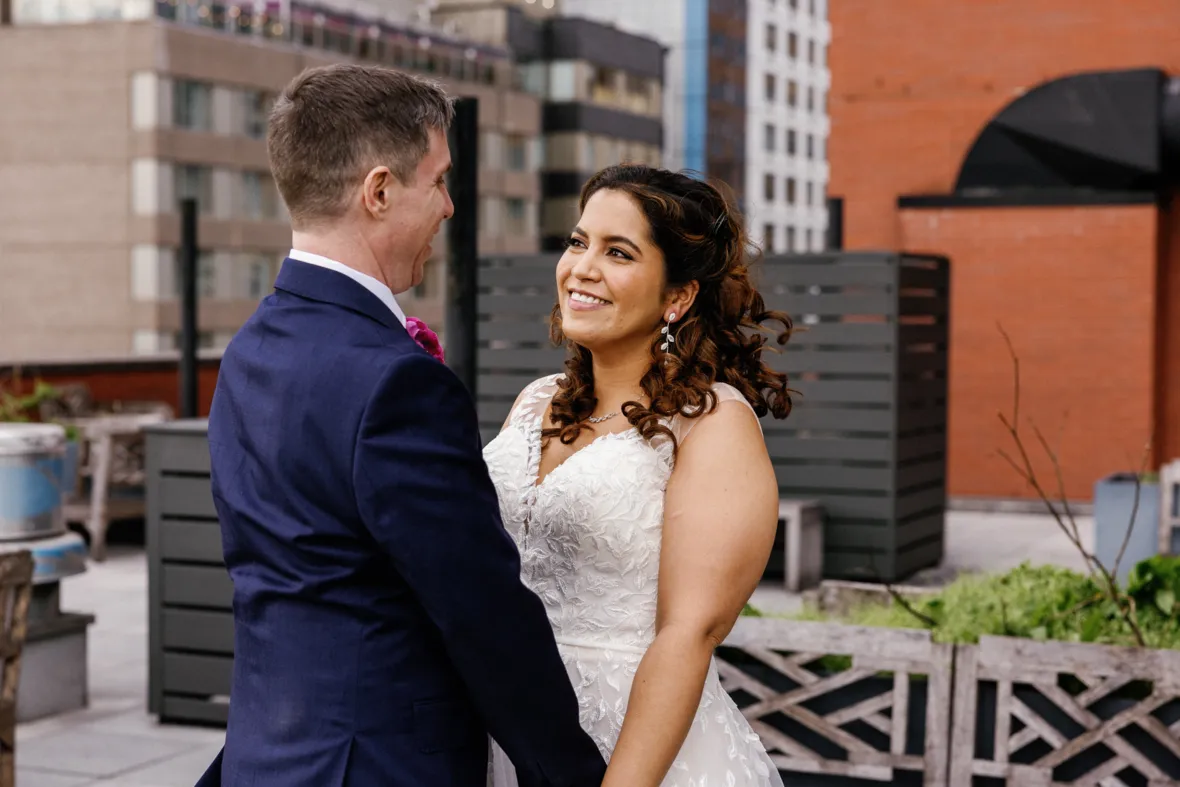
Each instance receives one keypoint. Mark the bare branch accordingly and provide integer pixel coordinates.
(1124, 603)
(905, 604)
(1132, 618)
(902, 601)
(1078, 607)
(1069, 517)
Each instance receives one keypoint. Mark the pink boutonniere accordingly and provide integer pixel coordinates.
(426, 338)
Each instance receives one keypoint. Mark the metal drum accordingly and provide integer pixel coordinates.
(32, 458)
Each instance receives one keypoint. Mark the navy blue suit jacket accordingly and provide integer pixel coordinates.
(381, 629)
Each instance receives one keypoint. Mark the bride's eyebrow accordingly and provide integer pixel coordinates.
(623, 240)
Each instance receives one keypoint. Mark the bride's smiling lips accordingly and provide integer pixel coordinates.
(582, 301)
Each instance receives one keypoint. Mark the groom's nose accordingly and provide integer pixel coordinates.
(449, 207)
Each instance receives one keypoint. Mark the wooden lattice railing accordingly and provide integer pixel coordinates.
(843, 700)
(1066, 713)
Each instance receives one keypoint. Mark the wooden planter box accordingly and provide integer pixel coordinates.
(1021, 712)
(190, 595)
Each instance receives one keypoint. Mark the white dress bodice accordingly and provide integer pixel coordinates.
(589, 537)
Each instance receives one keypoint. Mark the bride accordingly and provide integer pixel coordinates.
(637, 484)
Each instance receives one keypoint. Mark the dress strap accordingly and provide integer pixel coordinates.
(530, 406)
(681, 426)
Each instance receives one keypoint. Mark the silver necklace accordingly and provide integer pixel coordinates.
(597, 419)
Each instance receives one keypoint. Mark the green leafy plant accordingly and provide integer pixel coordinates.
(1049, 602)
(1035, 602)
(18, 407)
(1156, 582)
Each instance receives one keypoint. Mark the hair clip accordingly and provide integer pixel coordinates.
(722, 218)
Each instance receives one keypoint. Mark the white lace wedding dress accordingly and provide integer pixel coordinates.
(589, 539)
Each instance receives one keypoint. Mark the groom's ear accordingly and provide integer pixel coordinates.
(376, 190)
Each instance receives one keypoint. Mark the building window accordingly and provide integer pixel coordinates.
(792, 93)
(810, 99)
(206, 275)
(193, 181)
(771, 38)
(794, 5)
(258, 276)
(768, 188)
(192, 105)
(790, 191)
(260, 197)
(808, 247)
(790, 238)
(792, 45)
(771, 87)
(515, 216)
(517, 155)
(603, 88)
(768, 239)
(810, 193)
(810, 146)
(791, 140)
(769, 132)
(811, 51)
(256, 105)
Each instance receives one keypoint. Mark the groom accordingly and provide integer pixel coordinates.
(381, 630)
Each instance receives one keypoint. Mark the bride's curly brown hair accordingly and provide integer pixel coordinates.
(720, 339)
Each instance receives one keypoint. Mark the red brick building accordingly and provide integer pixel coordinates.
(1064, 227)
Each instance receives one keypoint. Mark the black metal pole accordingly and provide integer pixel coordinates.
(463, 242)
(835, 239)
(188, 308)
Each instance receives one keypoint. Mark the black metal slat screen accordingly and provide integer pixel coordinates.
(867, 437)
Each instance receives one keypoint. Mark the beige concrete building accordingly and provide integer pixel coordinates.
(105, 125)
(602, 90)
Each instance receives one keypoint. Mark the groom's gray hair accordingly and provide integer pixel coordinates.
(334, 123)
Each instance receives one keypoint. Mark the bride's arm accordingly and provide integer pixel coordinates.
(721, 512)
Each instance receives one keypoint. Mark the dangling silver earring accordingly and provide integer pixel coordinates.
(669, 339)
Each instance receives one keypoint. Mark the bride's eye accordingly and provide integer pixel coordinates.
(573, 242)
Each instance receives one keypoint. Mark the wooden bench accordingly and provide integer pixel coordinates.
(801, 535)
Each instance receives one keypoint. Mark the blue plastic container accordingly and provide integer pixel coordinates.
(1114, 499)
(32, 459)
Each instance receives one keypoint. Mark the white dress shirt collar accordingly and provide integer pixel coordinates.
(374, 286)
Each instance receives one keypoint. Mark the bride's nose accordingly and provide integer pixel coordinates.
(585, 267)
